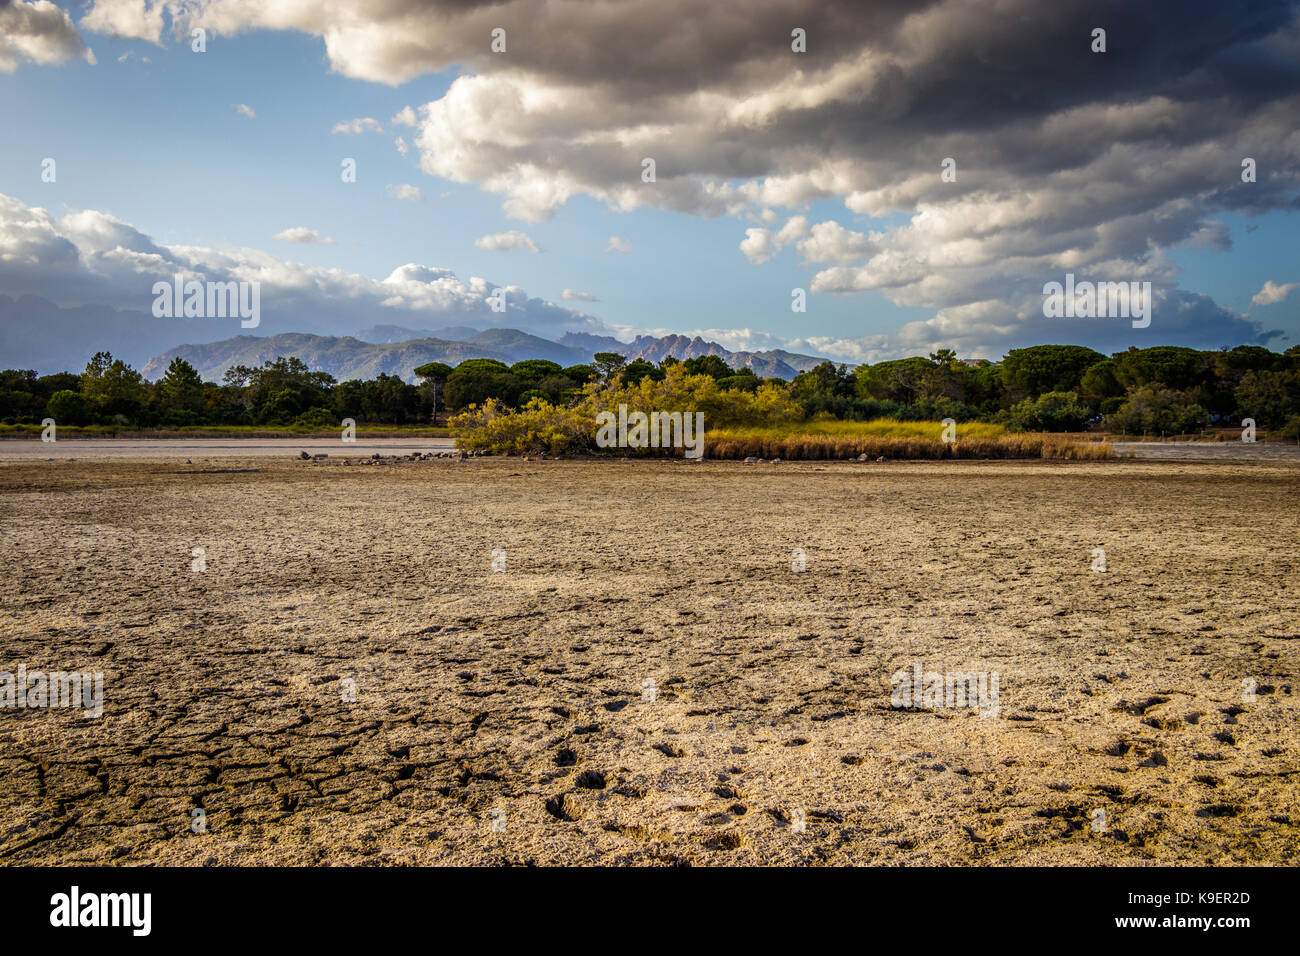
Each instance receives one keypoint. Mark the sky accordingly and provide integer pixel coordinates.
(775, 169)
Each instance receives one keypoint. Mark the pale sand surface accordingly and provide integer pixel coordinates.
(522, 692)
(93, 448)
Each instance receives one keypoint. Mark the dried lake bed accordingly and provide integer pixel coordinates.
(343, 677)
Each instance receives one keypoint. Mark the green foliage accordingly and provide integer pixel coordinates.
(278, 391)
(1099, 382)
(1050, 412)
(636, 370)
(746, 383)
(384, 399)
(1155, 410)
(534, 370)
(318, 418)
(433, 371)
(1030, 372)
(538, 427)
(180, 389)
(1170, 366)
(474, 381)
(711, 365)
(1135, 390)
(67, 407)
(112, 388)
(607, 364)
(1268, 397)
(897, 380)
(826, 388)
(543, 426)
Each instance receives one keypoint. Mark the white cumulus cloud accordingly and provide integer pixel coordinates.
(1272, 293)
(505, 241)
(40, 32)
(355, 127)
(404, 191)
(303, 235)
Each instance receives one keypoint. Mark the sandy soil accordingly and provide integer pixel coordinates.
(508, 717)
(212, 448)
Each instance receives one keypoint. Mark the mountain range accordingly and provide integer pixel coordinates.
(400, 350)
(38, 334)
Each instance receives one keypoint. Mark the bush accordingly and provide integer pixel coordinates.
(536, 428)
(1050, 412)
(744, 383)
(1109, 406)
(318, 418)
(1153, 410)
(67, 407)
(542, 426)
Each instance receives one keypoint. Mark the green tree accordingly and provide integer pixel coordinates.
(826, 387)
(434, 376)
(711, 365)
(607, 364)
(896, 380)
(474, 381)
(1030, 372)
(1156, 410)
(67, 407)
(1171, 366)
(181, 388)
(534, 370)
(19, 400)
(112, 388)
(1269, 397)
(1051, 412)
(1099, 382)
(638, 369)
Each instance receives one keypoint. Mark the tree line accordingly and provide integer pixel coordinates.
(1162, 389)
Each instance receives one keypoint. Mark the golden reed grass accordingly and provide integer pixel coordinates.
(745, 443)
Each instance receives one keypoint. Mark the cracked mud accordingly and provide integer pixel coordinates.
(648, 681)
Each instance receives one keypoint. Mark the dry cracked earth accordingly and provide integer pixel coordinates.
(648, 682)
